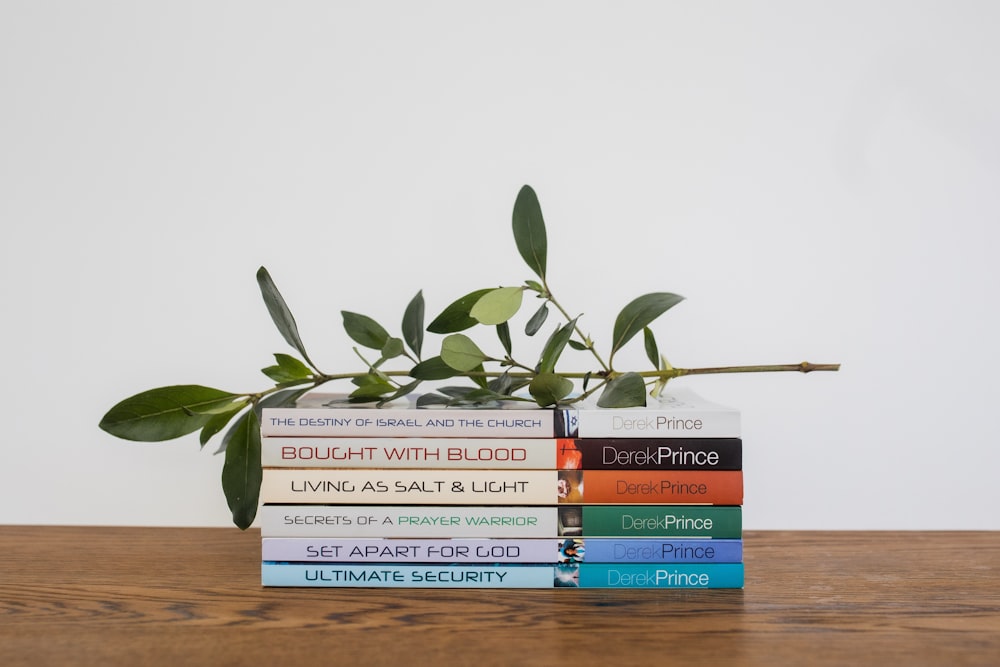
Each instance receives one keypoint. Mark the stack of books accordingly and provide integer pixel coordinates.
(509, 497)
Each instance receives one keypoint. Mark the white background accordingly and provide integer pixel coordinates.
(818, 179)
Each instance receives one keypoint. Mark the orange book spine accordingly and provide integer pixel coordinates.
(705, 487)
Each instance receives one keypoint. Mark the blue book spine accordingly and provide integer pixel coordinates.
(338, 575)
(591, 575)
(653, 550)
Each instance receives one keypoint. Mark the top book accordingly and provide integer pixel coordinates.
(679, 414)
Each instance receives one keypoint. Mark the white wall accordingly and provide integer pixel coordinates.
(819, 179)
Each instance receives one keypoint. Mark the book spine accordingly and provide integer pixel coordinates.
(417, 423)
(500, 487)
(504, 453)
(407, 521)
(698, 521)
(649, 454)
(677, 422)
(653, 550)
(492, 550)
(648, 575)
(420, 550)
(617, 521)
(596, 575)
(460, 453)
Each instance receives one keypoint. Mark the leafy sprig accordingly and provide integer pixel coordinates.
(394, 366)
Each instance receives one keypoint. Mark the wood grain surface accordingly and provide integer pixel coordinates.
(192, 596)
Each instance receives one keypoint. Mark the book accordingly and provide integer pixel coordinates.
(500, 487)
(680, 413)
(504, 453)
(583, 575)
(659, 521)
(649, 454)
(351, 452)
(550, 550)
(329, 415)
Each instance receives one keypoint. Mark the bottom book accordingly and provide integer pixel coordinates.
(585, 575)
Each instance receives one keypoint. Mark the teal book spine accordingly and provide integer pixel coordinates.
(651, 575)
(586, 575)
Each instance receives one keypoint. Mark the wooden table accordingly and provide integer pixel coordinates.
(192, 596)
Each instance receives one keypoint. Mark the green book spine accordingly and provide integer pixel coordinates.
(654, 521)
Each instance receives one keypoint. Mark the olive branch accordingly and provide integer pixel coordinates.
(170, 412)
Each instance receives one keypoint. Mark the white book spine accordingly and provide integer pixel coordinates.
(410, 423)
(401, 550)
(497, 453)
(682, 414)
(408, 487)
(415, 521)
(626, 423)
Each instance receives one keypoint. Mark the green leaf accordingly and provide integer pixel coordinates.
(503, 333)
(241, 472)
(505, 385)
(364, 331)
(537, 320)
(392, 348)
(375, 389)
(535, 286)
(456, 316)
(280, 313)
(413, 323)
(554, 347)
(501, 385)
(430, 399)
(529, 230)
(164, 413)
(480, 378)
(433, 369)
(275, 373)
(293, 366)
(497, 306)
(474, 395)
(624, 391)
(218, 422)
(288, 369)
(368, 380)
(577, 345)
(549, 388)
(402, 391)
(478, 396)
(278, 399)
(460, 353)
(638, 314)
(213, 408)
(649, 341)
(453, 391)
